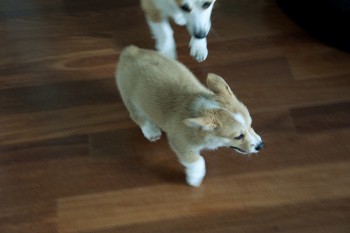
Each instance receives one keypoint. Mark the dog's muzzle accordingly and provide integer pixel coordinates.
(238, 149)
(259, 146)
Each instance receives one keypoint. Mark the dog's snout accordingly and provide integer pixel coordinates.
(259, 146)
(200, 34)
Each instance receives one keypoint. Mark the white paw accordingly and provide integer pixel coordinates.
(195, 172)
(151, 131)
(194, 180)
(199, 49)
(180, 19)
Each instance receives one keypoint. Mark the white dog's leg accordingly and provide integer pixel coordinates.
(199, 49)
(151, 131)
(179, 18)
(195, 172)
(163, 35)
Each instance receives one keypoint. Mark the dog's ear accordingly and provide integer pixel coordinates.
(218, 85)
(201, 122)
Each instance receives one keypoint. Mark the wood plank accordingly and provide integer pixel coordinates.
(319, 64)
(37, 126)
(327, 216)
(57, 96)
(29, 218)
(313, 119)
(295, 94)
(273, 188)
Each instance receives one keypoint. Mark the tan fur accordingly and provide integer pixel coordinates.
(165, 93)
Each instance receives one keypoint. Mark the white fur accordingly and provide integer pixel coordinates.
(163, 35)
(254, 140)
(199, 20)
(179, 18)
(195, 171)
(196, 20)
(151, 131)
(199, 49)
(213, 143)
(239, 118)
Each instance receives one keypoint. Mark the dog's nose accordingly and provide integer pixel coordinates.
(259, 146)
(200, 34)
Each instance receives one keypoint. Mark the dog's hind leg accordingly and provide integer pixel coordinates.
(149, 129)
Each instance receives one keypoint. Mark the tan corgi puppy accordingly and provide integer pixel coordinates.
(161, 94)
(195, 14)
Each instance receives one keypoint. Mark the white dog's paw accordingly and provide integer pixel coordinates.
(195, 172)
(180, 19)
(199, 49)
(151, 131)
(194, 180)
(200, 55)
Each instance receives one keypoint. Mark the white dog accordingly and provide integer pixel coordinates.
(195, 14)
(161, 94)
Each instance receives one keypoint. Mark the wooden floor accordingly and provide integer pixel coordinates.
(72, 161)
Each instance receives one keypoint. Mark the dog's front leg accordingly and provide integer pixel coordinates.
(195, 171)
(199, 48)
(192, 161)
(163, 35)
(179, 18)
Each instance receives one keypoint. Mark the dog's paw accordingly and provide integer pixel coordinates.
(199, 49)
(199, 55)
(151, 132)
(195, 172)
(180, 19)
(194, 181)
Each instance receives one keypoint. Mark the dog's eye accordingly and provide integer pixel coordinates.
(241, 136)
(206, 5)
(185, 7)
